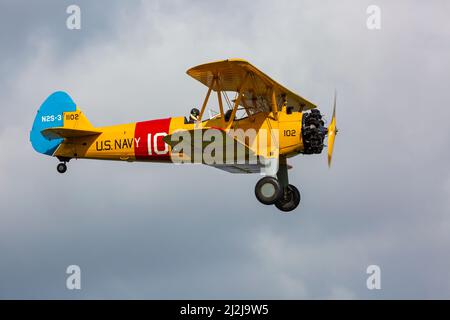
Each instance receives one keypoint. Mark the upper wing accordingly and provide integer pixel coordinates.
(232, 74)
(61, 132)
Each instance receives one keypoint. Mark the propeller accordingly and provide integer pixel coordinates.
(332, 131)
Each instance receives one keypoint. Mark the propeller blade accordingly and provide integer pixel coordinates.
(332, 130)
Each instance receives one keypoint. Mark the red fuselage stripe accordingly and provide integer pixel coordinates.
(149, 144)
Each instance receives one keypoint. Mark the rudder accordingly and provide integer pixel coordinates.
(49, 115)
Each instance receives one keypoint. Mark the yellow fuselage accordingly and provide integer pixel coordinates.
(143, 141)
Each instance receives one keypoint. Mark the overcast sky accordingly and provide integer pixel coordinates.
(168, 231)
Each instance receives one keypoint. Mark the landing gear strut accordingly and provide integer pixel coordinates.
(278, 191)
(61, 167)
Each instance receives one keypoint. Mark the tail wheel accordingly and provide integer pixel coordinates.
(289, 200)
(268, 190)
(62, 167)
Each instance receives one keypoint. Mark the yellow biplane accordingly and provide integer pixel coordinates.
(253, 132)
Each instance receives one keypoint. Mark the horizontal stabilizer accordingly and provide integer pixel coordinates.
(61, 132)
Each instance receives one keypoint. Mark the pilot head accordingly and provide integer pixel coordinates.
(194, 114)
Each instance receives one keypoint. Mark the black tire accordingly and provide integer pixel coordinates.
(289, 200)
(61, 167)
(268, 190)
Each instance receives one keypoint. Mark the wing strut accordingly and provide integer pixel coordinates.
(274, 105)
(206, 100)
(219, 98)
(237, 101)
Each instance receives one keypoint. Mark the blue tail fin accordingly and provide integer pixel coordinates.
(50, 115)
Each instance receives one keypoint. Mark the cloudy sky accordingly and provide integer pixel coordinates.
(161, 231)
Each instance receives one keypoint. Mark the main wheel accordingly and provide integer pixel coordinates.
(268, 190)
(61, 167)
(289, 200)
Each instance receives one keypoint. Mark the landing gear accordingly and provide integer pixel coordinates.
(278, 191)
(62, 167)
(268, 190)
(289, 200)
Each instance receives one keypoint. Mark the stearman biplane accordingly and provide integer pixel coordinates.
(255, 131)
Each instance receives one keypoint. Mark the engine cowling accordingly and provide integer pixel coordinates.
(313, 132)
